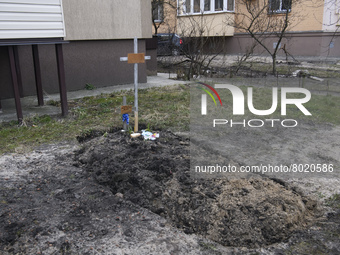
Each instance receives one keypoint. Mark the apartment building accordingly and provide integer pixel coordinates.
(93, 35)
(312, 25)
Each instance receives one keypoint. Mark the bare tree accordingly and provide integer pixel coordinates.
(265, 21)
(161, 13)
(199, 48)
(249, 51)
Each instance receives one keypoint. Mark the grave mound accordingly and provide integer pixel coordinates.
(155, 175)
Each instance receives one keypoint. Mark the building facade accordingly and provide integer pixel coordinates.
(312, 25)
(95, 34)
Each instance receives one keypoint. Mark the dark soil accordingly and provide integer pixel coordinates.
(155, 175)
(49, 205)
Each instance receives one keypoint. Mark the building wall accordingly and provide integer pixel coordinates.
(313, 27)
(305, 15)
(84, 19)
(95, 62)
(211, 25)
(107, 19)
(204, 23)
(321, 44)
(151, 50)
(99, 33)
(305, 36)
(146, 21)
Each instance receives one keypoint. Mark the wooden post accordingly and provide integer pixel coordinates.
(124, 123)
(37, 72)
(125, 109)
(61, 76)
(15, 83)
(17, 66)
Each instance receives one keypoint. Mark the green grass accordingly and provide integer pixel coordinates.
(161, 108)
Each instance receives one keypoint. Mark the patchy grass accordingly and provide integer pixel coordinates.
(284, 69)
(161, 108)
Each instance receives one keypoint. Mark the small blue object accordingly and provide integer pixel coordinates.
(126, 118)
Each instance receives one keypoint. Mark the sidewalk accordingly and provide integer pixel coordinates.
(30, 108)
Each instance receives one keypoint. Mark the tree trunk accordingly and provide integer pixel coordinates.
(156, 28)
(274, 63)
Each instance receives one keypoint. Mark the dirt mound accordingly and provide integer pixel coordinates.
(155, 175)
(48, 206)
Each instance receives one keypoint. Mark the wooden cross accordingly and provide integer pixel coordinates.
(135, 58)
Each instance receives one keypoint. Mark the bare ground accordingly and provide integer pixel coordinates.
(115, 195)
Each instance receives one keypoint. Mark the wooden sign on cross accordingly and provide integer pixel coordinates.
(125, 109)
(135, 58)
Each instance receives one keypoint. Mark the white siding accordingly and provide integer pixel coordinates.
(31, 19)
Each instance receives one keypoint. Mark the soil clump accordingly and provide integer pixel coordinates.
(155, 175)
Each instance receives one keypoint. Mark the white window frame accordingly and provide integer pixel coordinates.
(181, 6)
(160, 13)
(280, 10)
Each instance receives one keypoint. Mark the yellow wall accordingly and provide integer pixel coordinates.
(310, 13)
(306, 15)
(205, 25)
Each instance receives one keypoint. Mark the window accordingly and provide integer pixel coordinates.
(157, 11)
(197, 8)
(218, 5)
(280, 6)
(187, 6)
(207, 6)
(230, 6)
